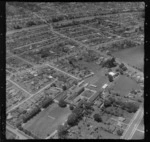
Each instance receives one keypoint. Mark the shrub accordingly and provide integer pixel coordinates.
(30, 23)
(132, 107)
(120, 132)
(78, 111)
(17, 27)
(64, 87)
(72, 119)
(47, 102)
(71, 107)
(97, 117)
(62, 131)
(62, 103)
(107, 103)
(110, 78)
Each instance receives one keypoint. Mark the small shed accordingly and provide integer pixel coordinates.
(104, 86)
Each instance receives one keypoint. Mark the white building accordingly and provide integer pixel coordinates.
(104, 86)
(112, 73)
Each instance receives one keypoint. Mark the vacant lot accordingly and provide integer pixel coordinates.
(132, 56)
(138, 135)
(47, 121)
(124, 85)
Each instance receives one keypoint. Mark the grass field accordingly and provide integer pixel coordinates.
(124, 85)
(47, 121)
(141, 125)
(87, 93)
(132, 56)
(138, 135)
(99, 79)
(10, 135)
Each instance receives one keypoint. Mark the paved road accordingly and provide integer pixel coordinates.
(129, 132)
(27, 28)
(16, 132)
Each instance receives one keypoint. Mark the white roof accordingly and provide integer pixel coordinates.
(104, 86)
(112, 73)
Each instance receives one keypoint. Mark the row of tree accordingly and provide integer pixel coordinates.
(83, 108)
(129, 106)
(28, 115)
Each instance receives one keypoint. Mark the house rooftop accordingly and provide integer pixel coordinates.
(111, 73)
(104, 86)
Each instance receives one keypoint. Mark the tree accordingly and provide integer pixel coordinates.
(71, 107)
(47, 101)
(110, 78)
(131, 107)
(17, 27)
(62, 103)
(30, 23)
(121, 71)
(62, 132)
(88, 105)
(120, 132)
(64, 87)
(121, 65)
(97, 117)
(78, 111)
(72, 119)
(107, 103)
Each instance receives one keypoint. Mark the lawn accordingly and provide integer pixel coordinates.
(141, 125)
(132, 56)
(10, 135)
(87, 93)
(124, 85)
(47, 121)
(90, 65)
(138, 135)
(99, 79)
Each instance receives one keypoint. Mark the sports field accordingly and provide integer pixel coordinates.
(47, 121)
(132, 56)
(124, 85)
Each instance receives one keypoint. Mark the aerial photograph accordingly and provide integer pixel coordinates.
(75, 70)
